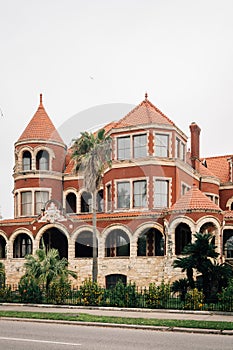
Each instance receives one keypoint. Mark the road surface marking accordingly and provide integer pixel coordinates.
(40, 341)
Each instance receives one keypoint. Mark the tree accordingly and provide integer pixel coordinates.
(201, 256)
(47, 268)
(2, 275)
(92, 155)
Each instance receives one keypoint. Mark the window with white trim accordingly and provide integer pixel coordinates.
(109, 197)
(180, 149)
(42, 160)
(139, 194)
(26, 161)
(123, 194)
(140, 146)
(161, 145)
(26, 203)
(132, 194)
(41, 197)
(161, 193)
(123, 148)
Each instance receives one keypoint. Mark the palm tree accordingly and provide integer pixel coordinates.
(92, 155)
(46, 268)
(200, 256)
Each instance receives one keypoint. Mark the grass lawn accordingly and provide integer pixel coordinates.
(82, 317)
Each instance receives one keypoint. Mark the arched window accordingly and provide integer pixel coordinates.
(71, 203)
(84, 245)
(27, 161)
(228, 243)
(151, 243)
(112, 280)
(2, 248)
(182, 237)
(22, 246)
(86, 202)
(117, 244)
(42, 160)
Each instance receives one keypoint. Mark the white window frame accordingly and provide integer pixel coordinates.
(169, 181)
(18, 195)
(131, 193)
(168, 135)
(180, 149)
(131, 151)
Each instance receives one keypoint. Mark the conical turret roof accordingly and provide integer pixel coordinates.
(144, 113)
(194, 200)
(41, 127)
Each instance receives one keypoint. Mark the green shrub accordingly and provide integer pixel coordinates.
(5, 294)
(157, 296)
(194, 300)
(226, 297)
(91, 293)
(29, 290)
(59, 291)
(122, 295)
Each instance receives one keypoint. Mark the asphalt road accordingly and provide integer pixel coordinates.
(38, 336)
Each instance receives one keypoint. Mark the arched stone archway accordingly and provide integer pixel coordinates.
(55, 238)
(183, 236)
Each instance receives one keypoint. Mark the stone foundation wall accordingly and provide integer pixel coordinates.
(139, 270)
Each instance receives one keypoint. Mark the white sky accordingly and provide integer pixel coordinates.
(179, 51)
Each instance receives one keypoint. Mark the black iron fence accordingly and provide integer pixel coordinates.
(121, 296)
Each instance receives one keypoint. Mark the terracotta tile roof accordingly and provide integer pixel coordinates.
(16, 221)
(40, 127)
(204, 171)
(69, 165)
(117, 215)
(228, 214)
(194, 200)
(144, 113)
(219, 166)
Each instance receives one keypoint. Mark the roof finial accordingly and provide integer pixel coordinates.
(41, 99)
(146, 95)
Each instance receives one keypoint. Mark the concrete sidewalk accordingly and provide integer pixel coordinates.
(124, 312)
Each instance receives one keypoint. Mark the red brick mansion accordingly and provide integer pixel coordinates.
(154, 198)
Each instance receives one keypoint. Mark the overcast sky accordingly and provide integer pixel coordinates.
(86, 53)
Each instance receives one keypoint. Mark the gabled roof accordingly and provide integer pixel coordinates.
(143, 114)
(41, 127)
(219, 166)
(194, 200)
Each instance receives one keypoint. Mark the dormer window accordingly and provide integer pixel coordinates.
(27, 161)
(42, 160)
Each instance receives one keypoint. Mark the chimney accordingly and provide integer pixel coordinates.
(195, 145)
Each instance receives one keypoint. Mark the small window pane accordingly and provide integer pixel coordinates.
(123, 148)
(41, 198)
(161, 194)
(123, 195)
(161, 145)
(26, 203)
(140, 146)
(27, 161)
(139, 193)
(42, 160)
